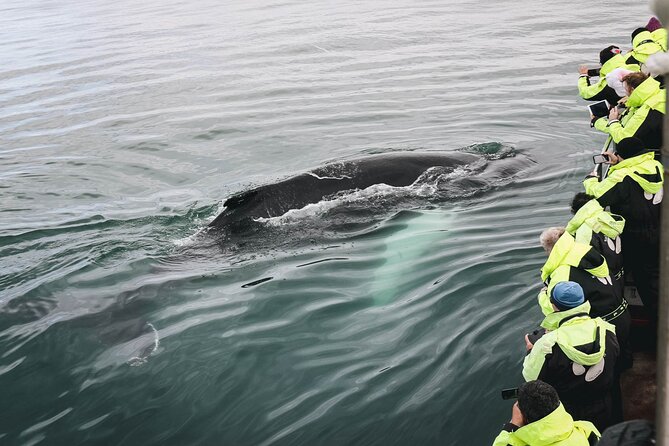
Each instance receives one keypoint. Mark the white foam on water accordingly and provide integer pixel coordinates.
(426, 186)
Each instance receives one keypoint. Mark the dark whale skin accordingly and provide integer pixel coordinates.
(272, 200)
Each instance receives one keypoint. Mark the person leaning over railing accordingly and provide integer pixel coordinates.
(539, 419)
(610, 59)
(643, 46)
(644, 116)
(569, 260)
(601, 229)
(633, 189)
(577, 356)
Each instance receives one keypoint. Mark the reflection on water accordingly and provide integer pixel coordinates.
(381, 319)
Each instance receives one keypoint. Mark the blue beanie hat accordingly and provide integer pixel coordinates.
(567, 295)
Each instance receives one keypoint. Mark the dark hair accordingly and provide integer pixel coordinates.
(637, 31)
(607, 53)
(536, 399)
(634, 79)
(579, 200)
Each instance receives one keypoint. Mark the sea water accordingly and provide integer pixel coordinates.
(376, 317)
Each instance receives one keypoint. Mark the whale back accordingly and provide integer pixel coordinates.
(271, 200)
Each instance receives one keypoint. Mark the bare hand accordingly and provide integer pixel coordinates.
(517, 416)
(528, 344)
(614, 113)
(623, 100)
(613, 158)
(582, 69)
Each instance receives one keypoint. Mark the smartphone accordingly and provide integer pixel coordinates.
(599, 109)
(536, 335)
(510, 394)
(593, 72)
(601, 158)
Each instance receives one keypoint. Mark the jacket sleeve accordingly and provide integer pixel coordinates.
(591, 92)
(598, 188)
(535, 360)
(545, 302)
(619, 132)
(602, 124)
(611, 192)
(507, 439)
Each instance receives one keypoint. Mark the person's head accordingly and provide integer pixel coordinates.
(579, 201)
(629, 147)
(637, 31)
(567, 295)
(607, 53)
(536, 399)
(633, 80)
(549, 237)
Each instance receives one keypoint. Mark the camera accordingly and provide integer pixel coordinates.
(536, 335)
(510, 394)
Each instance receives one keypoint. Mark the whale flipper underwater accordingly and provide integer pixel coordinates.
(272, 200)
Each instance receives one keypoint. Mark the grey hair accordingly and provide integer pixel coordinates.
(550, 236)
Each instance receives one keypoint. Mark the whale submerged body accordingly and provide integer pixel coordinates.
(395, 169)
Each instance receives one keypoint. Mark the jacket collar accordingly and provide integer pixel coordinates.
(644, 164)
(648, 88)
(556, 426)
(566, 251)
(593, 215)
(641, 37)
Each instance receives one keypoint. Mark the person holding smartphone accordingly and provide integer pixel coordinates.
(578, 356)
(610, 59)
(643, 46)
(569, 260)
(539, 418)
(633, 189)
(645, 112)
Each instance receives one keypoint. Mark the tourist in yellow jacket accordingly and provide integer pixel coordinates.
(610, 59)
(644, 116)
(539, 419)
(633, 189)
(643, 46)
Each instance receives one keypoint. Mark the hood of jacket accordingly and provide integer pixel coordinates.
(641, 37)
(644, 164)
(592, 214)
(616, 61)
(649, 47)
(567, 251)
(556, 426)
(566, 324)
(645, 91)
(660, 37)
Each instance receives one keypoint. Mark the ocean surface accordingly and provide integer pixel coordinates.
(381, 316)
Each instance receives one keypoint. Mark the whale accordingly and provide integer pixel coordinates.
(396, 169)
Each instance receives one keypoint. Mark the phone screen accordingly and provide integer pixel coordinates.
(600, 159)
(508, 394)
(599, 109)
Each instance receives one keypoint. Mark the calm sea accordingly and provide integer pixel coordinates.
(385, 318)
